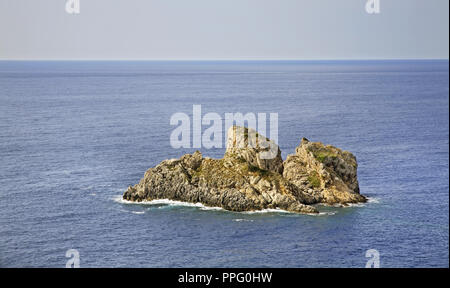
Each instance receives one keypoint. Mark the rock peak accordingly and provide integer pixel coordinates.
(256, 149)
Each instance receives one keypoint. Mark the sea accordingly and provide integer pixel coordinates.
(75, 134)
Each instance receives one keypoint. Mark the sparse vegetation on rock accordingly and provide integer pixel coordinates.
(242, 181)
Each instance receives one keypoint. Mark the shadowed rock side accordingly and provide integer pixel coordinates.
(242, 181)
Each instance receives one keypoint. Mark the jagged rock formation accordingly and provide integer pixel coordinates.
(326, 171)
(254, 148)
(244, 181)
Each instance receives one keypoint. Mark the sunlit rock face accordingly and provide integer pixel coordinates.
(327, 172)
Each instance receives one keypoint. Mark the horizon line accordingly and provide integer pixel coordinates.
(217, 59)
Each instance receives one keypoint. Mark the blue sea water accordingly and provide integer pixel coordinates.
(74, 135)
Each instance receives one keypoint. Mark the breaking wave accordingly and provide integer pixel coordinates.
(166, 202)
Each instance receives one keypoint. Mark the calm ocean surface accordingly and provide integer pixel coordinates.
(74, 135)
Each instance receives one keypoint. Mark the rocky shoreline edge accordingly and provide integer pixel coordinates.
(243, 180)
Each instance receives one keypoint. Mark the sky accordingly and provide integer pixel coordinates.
(224, 29)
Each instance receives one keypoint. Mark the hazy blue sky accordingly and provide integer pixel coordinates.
(223, 29)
